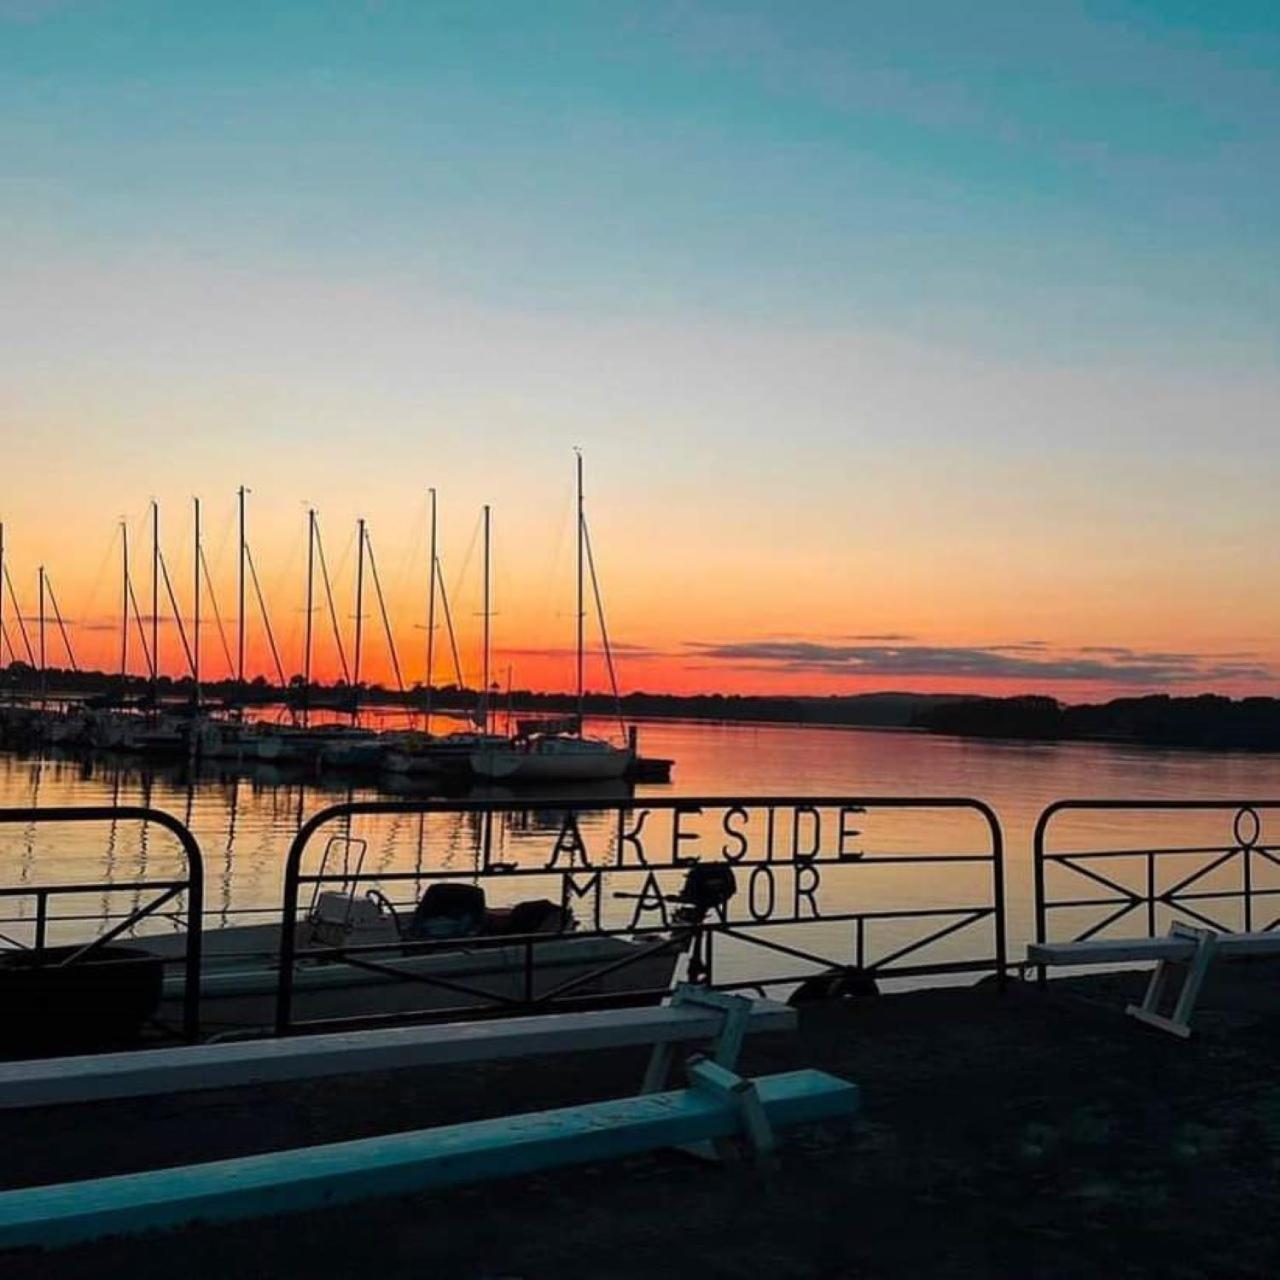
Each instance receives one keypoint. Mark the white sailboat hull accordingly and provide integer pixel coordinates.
(529, 766)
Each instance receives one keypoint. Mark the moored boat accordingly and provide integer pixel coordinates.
(563, 753)
(451, 949)
(552, 758)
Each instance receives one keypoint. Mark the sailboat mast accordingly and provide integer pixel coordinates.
(124, 600)
(431, 611)
(195, 617)
(581, 614)
(42, 675)
(155, 601)
(355, 668)
(306, 646)
(240, 609)
(484, 705)
(2, 598)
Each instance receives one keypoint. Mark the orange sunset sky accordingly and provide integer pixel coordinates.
(890, 371)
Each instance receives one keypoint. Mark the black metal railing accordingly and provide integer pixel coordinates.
(786, 851)
(167, 890)
(1133, 883)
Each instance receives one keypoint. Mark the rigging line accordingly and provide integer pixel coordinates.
(460, 576)
(4, 640)
(333, 611)
(177, 614)
(340, 565)
(289, 572)
(555, 584)
(17, 613)
(382, 608)
(604, 631)
(142, 631)
(412, 548)
(448, 621)
(266, 621)
(99, 579)
(57, 613)
(222, 541)
(217, 614)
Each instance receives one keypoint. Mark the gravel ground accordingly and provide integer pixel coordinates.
(1024, 1134)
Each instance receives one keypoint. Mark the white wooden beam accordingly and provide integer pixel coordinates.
(1118, 950)
(97, 1077)
(403, 1163)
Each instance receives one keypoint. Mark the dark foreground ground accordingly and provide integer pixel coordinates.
(1029, 1134)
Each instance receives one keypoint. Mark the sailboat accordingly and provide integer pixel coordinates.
(423, 753)
(559, 756)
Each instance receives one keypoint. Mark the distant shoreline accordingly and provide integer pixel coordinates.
(1205, 722)
(864, 710)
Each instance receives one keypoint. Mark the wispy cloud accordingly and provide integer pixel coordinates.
(567, 651)
(1021, 660)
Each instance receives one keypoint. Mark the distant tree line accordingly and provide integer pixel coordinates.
(1207, 721)
(884, 710)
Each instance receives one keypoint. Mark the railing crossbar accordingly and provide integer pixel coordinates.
(1180, 906)
(771, 944)
(116, 930)
(429, 980)
(1174, 889)
(1207, 895)
(1098, 878)
(644, 953)
(118, 886)
(1171, 851)
(1107, 921)
(936, 936)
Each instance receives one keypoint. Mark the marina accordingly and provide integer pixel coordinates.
(537, 752)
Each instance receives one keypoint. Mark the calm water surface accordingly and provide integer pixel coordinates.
(244, 822)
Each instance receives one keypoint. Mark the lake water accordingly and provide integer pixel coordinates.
(244, 822)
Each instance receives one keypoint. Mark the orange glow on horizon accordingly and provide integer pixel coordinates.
(683, 602)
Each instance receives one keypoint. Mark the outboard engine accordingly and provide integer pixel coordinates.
(448, 911)
(708, 886)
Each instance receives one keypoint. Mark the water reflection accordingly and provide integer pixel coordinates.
(244, 819)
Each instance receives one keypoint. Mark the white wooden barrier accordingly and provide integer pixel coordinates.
(1184, 951)
(1174, 946)
(403, 1163)
(694, 1017)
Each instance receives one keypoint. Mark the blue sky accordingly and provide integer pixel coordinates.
(996, 281)
(1075, 175)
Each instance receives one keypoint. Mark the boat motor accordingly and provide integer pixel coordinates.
(708, 886)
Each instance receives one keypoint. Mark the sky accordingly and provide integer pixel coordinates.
(909, 345)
